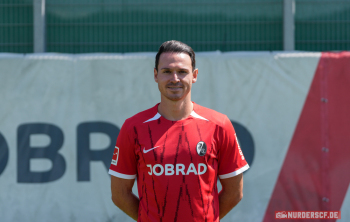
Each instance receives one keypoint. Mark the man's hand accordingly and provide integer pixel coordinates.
(231, 193)
(123, 197)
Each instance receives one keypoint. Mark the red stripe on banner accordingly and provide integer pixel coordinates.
(315, 173)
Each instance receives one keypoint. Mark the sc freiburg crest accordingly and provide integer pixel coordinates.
(201, 148)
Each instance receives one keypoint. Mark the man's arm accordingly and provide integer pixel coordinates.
(231, 193)
(123, 197)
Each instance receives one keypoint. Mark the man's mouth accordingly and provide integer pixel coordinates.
(174, 88)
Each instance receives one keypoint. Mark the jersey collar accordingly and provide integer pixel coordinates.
(193, 114)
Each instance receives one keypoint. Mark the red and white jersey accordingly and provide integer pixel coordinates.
(177, 163)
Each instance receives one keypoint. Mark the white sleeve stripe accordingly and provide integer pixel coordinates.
(235, 173)
(120, 175)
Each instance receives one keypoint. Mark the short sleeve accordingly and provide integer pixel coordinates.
(124, 161)
(231, 158)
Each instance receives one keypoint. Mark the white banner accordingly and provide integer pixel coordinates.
(60, 114)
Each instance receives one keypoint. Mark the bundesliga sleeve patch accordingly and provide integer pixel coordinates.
(115, 156)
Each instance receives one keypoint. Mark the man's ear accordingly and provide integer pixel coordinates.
(195, 74)
(155, 75)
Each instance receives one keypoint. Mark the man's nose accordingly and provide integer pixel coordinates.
(175, 77)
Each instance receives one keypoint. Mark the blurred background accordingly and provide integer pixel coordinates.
(72, 71)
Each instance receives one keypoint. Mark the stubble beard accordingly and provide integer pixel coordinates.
(174, 96)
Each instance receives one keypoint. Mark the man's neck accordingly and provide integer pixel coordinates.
(175, 110)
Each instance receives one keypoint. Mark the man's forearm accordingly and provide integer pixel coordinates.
(231, 194)
(127, 202)
(227, 202)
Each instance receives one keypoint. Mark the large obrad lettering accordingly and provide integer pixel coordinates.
(86, 154)
(26, 152)
(4, 153)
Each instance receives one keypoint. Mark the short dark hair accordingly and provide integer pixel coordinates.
(176, 47)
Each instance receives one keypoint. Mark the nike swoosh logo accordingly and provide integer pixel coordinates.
(146, 151)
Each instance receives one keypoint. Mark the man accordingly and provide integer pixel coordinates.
(177, 150)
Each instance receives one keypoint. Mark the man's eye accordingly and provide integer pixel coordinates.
(166, 71)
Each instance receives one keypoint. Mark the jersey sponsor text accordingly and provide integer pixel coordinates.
(178, 169)
(239, 148)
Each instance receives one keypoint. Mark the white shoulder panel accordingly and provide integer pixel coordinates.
(195, 115)
(157, 116)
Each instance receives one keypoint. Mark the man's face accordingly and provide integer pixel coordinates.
(175, 76)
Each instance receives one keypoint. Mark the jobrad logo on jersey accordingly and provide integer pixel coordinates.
(239, 148)
(177, 169)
